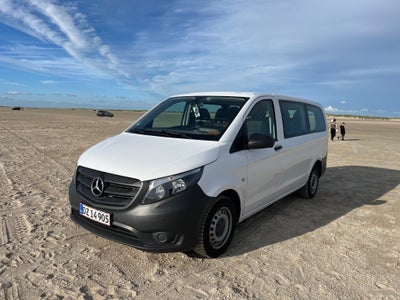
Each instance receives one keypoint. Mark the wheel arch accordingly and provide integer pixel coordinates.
(318, 164)
(234, 196)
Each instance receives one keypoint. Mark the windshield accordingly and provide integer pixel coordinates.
(194, 117)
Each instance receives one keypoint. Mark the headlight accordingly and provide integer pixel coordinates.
(162, 188)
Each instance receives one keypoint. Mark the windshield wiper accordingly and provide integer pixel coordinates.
(170, 133)
(162, 132)
(135, 130)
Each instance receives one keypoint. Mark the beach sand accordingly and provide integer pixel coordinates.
(343, 244)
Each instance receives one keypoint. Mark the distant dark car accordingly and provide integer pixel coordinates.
(17, 108)
(104, 113)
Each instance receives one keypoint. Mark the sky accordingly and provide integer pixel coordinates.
(131, 54)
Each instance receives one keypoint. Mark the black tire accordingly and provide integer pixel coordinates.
(309, 190)
(218, 228)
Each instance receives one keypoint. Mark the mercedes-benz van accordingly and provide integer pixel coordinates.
(183, 175)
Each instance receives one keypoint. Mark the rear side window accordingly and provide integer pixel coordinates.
(316, 119)
(301, 118)
(294, 117)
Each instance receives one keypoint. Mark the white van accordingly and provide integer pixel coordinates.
(185, 173)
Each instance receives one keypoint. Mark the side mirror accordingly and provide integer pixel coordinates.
(258, 141)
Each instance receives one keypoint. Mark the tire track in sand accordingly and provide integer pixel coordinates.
(29, 166)
(5, 182)
(32, 198)
(10, 291)
(15, 227)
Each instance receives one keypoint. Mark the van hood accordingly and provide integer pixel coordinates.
(146, 157)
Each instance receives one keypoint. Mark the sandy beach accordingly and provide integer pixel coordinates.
(343, 244)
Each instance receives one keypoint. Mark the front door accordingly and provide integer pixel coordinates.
(264, 165)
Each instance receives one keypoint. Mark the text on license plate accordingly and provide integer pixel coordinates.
(94, 214)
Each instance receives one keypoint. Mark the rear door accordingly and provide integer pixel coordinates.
(297, 146)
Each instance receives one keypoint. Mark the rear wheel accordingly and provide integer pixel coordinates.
(309, 190)
(218, 228)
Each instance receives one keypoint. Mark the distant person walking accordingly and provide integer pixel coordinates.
(332, 127)
(342, 130)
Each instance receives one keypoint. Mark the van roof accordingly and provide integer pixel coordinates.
(231, 94)
(247, 94)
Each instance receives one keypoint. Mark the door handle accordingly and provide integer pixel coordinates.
(278, 147)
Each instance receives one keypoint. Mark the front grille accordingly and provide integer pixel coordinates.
(119, 191)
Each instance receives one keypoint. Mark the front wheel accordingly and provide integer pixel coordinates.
(217, 229)
(309, 190)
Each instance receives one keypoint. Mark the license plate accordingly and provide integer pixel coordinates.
(95, 214)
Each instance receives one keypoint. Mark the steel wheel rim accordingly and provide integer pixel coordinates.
(220, 227)
(313, 183)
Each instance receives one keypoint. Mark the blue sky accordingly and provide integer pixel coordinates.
(132, 54)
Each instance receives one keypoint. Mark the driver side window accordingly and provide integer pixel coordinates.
(261, 119)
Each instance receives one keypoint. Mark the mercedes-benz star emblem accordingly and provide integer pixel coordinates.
(97, 186)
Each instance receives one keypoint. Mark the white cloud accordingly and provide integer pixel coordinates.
(331, 109)
(235, 44)
(63, 26)
(48, 61)
(343, 102)
(11, 83)
(18, 93)
(360, 112)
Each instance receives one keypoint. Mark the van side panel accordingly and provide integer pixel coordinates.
(228, 172)
(263, 176)
(300, 155)
(301, 147)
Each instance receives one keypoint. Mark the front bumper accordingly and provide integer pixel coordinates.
(169, 225)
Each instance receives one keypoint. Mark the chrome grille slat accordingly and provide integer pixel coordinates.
(119, 191)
